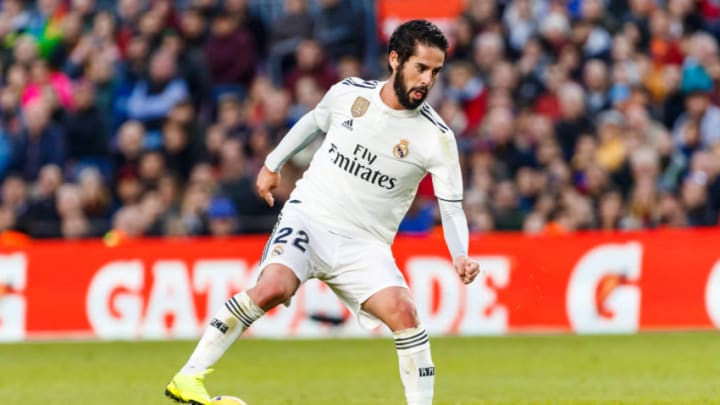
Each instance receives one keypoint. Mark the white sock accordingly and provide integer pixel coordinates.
(238, 313)
(417, 371)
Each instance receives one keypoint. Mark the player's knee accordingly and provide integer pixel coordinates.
(405, 314)
(271, 293)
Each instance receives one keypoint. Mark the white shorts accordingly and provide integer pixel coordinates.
(354, 267)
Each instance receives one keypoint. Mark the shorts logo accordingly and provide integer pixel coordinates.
(427, 371)
(277, 250)
(402, 149)
(359, 107)
(219, 325)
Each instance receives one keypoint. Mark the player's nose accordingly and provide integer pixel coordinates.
(426, 77)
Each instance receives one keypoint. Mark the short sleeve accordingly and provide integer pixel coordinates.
(444, 166)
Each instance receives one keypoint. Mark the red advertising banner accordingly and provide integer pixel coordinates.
(391, 13)
(165, 288)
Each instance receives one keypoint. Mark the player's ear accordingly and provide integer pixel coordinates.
(393, 60)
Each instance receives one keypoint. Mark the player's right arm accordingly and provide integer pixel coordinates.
(300, 136)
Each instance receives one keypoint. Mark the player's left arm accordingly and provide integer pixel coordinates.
(447, 182)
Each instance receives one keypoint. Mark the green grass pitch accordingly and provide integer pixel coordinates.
(672, 368)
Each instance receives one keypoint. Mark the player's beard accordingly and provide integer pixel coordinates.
(403, 93)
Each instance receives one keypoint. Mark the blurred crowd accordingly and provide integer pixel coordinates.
(152, 117)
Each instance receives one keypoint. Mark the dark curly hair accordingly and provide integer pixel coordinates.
(409, 34)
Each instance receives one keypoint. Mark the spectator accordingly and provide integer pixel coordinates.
(16, 13)
(222, 220)
(610, 210)
(191, 67)
(235, 183)
(73, 223)
(128, 16)
(130, 144)
(573, 121)
(595, 79)
(55, 86)
(41, 219)
(177, 150)
(230, 71)
(695, 201)
(276, 105)
(39, 143)
(95, 200)
(151, 167)
(232, 116)
(310, 62)
(128, 221)
(307, 94)
(151, 212)
(214, 139)
(338, 29)
(696, 85)
(462, 36)
(86, 130)
(489, 48)
(419, 218)
(483, 14)
(506, 211)
(612, 147)
(242, 13)
(153, 98)
(466, 89)
(499, 130)
(286, 32)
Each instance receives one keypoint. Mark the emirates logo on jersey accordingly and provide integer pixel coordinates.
(360, 165)
(402, 149)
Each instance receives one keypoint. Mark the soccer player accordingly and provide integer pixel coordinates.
(341, 218)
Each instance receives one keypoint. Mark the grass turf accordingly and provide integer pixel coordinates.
(673, 368)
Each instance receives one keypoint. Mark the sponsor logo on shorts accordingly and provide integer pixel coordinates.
(277, 250)
(219, 325)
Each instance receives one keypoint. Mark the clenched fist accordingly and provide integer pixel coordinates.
(466, 269)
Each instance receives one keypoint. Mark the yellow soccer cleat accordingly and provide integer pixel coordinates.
(189, 389)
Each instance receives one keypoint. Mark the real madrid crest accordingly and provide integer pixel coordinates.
(277, 250)
(402, 149)
(359, 107)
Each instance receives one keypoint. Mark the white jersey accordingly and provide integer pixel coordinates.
(366, 173)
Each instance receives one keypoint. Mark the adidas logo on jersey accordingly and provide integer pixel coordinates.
(348, 124)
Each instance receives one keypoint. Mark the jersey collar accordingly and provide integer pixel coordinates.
(391, 111)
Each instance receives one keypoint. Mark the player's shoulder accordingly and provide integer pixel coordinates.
(358, 83)
(351, 87)
(354, 85)
(428, 115)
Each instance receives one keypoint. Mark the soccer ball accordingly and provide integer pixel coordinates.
(227, 400)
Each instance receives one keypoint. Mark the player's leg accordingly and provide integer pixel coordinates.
(277, 284)
(365, 276)
(395, 307)
(285, 264)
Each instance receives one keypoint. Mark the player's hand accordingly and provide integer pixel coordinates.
(466, 269)
(266, 182)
